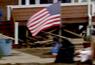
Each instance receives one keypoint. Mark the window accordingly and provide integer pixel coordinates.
(23, 2)
(43, 1)
(50, 1)
(66, 1)
(32, 1)
(46, 1)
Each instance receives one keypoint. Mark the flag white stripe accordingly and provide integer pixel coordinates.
(38, 13)
(45, 26)
(45, 19)
(38, 21)
(42, 23)
(53, 23)
(36, 17)
(33, 19)
(50, 21)
(40, 28)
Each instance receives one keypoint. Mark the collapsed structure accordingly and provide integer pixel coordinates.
(74, 15)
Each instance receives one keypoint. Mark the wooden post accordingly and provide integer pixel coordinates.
(27, 43)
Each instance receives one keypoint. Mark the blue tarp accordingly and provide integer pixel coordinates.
(0, 12)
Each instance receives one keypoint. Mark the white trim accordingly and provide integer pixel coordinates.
(72, 1)
(88, 31)
(8, 12)
(89, 18)
(89, 12)
(37, 1)
(29, 6)
(73, 4)
(93, 9)
(79, 1)
(54, 1)
(27, 2)
(16, 32)
(19, 2)
(44, 5)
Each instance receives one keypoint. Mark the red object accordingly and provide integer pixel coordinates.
(14, 45)
(7, 28)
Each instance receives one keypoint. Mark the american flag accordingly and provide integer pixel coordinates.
(44, 19)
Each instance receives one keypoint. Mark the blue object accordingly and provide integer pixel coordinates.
(0, 12)
(56, 47)
(6, 46)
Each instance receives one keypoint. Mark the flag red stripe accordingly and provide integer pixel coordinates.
(38, 13)
(45, 24)
(38, 17)
(44, 11)
(44, 21)
(48, 17)
(39, 20)
(35, 27)
(44, 28)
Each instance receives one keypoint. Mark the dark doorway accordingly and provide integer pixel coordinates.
(22, 33)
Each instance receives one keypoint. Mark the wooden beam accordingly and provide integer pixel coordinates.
(73, 33)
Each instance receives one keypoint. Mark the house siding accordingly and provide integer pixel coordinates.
(69, 14)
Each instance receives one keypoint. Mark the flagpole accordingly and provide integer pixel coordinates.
(60, 27)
